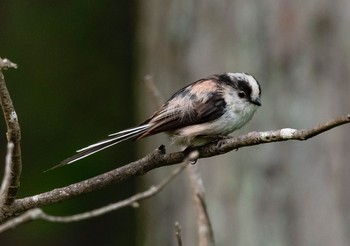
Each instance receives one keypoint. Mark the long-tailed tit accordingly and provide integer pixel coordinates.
(197, 114)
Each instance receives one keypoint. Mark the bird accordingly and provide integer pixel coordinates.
(199, 113)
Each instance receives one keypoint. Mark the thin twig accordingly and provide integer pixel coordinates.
(14, 136)
(36, 213)
(131, 201)
(26, 217)
(159, 158)
(178, 233)
(204, 227)
(6, 64)
(6, 181)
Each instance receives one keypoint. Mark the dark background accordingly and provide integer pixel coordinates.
(73, 86)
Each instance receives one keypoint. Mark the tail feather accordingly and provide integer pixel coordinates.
(119, 137)
(130, 130)
(113, 139)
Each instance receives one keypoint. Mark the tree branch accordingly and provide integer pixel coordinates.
(14, 136)
(26, 217)
(178, 233)
(131, 201)
(205, 230)
(10, 206)
(154, 160)
(159, 158)
(36, 213)
(5, 185)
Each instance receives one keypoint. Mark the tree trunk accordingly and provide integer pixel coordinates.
(278, 194)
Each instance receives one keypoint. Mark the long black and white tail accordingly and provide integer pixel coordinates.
(112, 139)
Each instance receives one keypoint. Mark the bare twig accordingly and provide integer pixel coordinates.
(6, 64)
(156, 159)
(36, 213)
(152, 191)
(178, 233)
(10, 206)
(26, 217)
(205, 230)
(7, 175)
(159, 158)
(14, 136)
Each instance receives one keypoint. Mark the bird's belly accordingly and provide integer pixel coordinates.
(201, 134)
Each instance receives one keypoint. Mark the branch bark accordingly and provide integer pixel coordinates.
(37, 213)
(204, 227)
(11, 182)
(7, 176)
(159, 158)
(178, 233)
(10, 206)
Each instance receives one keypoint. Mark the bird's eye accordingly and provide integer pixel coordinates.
(241, 94)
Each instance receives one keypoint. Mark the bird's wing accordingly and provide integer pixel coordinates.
(187, 108)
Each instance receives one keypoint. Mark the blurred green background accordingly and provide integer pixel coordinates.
(73, 86)
(80, 77)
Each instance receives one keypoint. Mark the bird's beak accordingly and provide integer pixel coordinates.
(256, 101)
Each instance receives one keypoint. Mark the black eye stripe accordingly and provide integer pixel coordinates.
(225, 79)
(241, 85)
(245, 87)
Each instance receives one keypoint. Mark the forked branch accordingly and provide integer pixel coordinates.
(158, 158)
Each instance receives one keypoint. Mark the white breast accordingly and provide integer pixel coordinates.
(235, 117)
